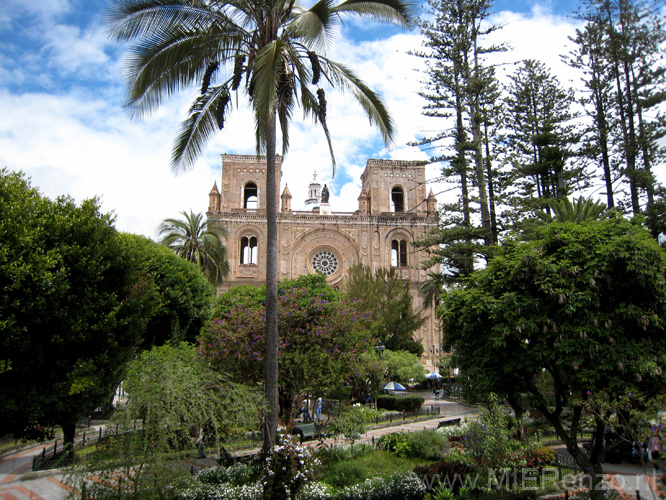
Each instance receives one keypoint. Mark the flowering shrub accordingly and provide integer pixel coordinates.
(396, 487)
(287, 468)
(321, 340)
(236, 474)
(314, 491)
(540, 456)
(224, 491)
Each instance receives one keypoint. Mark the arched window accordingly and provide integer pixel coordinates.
(250, 196)
(398, 253)
(397, 199)
(248, 254)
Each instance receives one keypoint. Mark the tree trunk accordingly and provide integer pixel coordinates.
(68, 431)
(272, 342)
(591, 466)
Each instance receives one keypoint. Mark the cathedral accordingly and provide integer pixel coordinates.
(393, 212)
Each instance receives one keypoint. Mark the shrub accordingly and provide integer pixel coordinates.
(393, 442)
(395, 487)
(400, 403)
(538, 457)
(314, 491)
(203, 491)
(237, 474)
(347, 473)
(452, 475)
(287, 468)
(427, 444)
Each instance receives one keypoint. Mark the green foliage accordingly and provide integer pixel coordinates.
(581, 302)
(425, 444)
(410, 402)
(73, 310)
(243, 296)
(388, 300)
(320, 341)
(351, 422)
(199, 242)
(581, 210)
(403, 366)
(174, 400)
(182, 293)
(345, 473)
(488, 439)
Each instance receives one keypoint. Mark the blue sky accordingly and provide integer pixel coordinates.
(61, 99)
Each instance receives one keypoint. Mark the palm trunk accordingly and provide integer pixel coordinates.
(271, 358)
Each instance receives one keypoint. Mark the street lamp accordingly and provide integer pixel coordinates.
(380, 348)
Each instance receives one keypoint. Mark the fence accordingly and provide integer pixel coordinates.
(55, 453)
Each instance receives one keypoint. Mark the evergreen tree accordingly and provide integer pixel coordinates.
(388, 299)
(539, 137)
(629, 41)
(458, 89)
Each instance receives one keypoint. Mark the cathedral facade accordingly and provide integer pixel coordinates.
(393, 212)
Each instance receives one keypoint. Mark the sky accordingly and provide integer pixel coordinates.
(65, 126)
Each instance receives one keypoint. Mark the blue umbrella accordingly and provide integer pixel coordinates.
(433, 375)
(394, 386)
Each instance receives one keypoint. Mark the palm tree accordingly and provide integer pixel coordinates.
(199, 242)
(272, 51)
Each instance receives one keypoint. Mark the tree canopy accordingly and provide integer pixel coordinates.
(183, 295)
(581, 303)
(74, 307)
(321, 338)
(388, 300)
(199, 241)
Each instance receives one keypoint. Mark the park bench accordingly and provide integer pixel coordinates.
(305, 432)
(448, 423)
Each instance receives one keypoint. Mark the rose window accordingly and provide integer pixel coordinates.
(325, 262)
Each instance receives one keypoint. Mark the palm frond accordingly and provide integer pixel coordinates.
(391, 11)
(131, 19)
(314, 27)
(198, 128)
(344, 79)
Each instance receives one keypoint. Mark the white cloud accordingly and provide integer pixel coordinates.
(82, 142)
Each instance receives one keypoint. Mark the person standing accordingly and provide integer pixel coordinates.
(318, 408)
(654, 447)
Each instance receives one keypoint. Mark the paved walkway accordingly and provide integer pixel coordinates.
(18, 482)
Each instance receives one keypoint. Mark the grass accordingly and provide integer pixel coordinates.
(348, 466)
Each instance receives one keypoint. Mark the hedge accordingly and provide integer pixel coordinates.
(400, 403)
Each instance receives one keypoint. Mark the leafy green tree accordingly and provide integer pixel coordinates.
(321, 339)
(74, 308)
(389, 301)
(402, 366)
(199, 242)
(583, 303)
(272, 52)
(183, 295)
(175, 402)
(368, 377)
